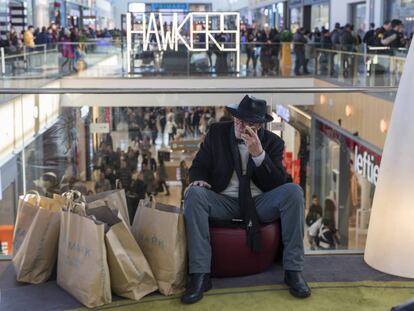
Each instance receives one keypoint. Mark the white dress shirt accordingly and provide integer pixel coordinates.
(232, 189)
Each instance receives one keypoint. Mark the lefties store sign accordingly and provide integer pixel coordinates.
(365, 165)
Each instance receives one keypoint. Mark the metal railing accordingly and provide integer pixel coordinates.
(355, 68)
(255, 90)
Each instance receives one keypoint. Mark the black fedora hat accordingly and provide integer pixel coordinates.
(250, 109)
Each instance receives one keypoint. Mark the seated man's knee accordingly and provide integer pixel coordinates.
(294, 192)
(195, 193)
(193, 196)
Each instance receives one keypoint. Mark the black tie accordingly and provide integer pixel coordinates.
(246, 201)
(239, 141)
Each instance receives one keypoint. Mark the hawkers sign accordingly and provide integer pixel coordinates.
(153, 30)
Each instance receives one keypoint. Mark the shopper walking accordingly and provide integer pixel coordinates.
(162, 178)
(299, 42)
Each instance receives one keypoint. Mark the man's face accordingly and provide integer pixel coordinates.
(387, 26)
(315, 201)
(240, 127)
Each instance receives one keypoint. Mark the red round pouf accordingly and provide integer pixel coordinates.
(231, 256)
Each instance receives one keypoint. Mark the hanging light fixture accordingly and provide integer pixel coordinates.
(322, 99)
(383, 126)
(348, 110)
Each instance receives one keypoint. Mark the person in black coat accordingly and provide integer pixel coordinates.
(270, 49)
(299, 41)
(238, 174)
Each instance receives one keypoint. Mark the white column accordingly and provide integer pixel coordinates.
(390, 241)
(129, 42)
(3, 63)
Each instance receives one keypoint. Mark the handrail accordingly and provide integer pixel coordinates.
(359, 54)
(10, 56)
(266, 90)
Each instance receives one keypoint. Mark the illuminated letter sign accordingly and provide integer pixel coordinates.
(153, 29)
(365, 165)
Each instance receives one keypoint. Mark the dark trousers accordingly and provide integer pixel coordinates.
(299, 61)
(161, 185)
(251, 55)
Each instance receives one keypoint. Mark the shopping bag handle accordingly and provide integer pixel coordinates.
(75, 202)
(38, 198)
(74, 195)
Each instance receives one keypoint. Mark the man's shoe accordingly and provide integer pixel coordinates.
(297, 284)
(197, 285)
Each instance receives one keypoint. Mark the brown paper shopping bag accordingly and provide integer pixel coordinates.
(36, 238)
(160, 232)
(82, 259)
(131, 276)
(26, 212)
(114, 199)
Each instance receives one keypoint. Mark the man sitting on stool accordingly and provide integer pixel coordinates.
(238, 173)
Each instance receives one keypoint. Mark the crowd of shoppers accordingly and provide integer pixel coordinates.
(263, 44)
(71, 42)
(138, 171)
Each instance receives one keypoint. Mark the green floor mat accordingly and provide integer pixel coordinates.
(355, 296)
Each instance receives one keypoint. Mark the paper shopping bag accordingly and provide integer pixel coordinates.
(26, 211)
(131, 276)
(114, 199)
(34, 257)
(82, 259)
(160, 232)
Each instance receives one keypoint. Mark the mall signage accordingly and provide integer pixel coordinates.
(364, 164)
(283, 112)
(184, 31)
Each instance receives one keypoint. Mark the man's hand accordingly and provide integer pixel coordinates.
(200, 183)
(252, 142)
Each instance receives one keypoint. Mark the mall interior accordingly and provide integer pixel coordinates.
(110, 101)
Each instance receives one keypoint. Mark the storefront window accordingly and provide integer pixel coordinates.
(391, 9)
(30, 12)
(295, 19)
(320, 16)
(279, 18)
(358, 14)
(346, 172)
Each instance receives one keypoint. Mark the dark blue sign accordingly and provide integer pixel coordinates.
(310, 2)
(169, 6)
(294, 3)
